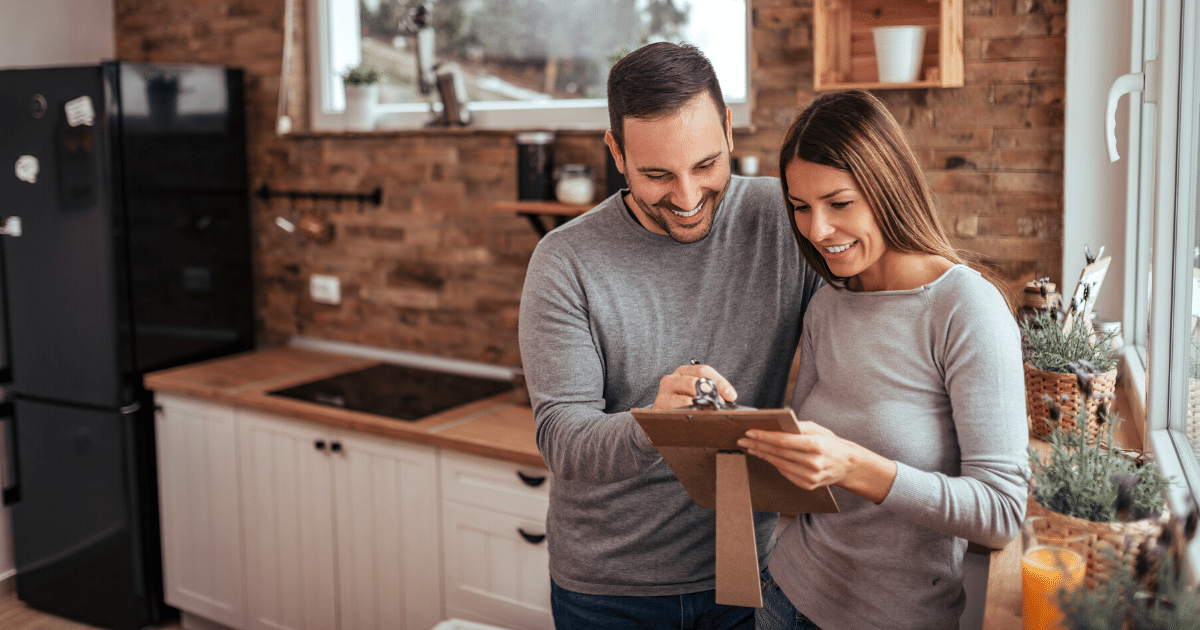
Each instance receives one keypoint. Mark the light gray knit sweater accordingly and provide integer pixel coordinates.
(932, 379)
(608, 309)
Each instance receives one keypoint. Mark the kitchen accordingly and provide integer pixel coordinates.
(1018, 166)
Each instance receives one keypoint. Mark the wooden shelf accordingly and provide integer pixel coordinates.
(844, 49)
(560, 213)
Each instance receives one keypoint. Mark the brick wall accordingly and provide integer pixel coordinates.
(433, 270)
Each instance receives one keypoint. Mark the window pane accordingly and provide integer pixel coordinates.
(539, 50)
(1193, 356)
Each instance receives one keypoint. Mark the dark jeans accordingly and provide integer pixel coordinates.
(777, 612)
(693, 611)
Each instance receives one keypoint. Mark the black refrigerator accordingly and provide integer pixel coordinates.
(125, 237)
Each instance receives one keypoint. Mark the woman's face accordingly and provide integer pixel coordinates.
(834, 216)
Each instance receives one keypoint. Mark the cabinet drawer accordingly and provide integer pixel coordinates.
(496, 485)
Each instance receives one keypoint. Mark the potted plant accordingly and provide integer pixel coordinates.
(1091, 486)
(362, 95)
(1054, 356)
(1155, 595)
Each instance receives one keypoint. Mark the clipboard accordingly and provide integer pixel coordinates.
(700, 447)
(689, 440)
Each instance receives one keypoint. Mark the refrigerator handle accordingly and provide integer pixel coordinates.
(12, 475)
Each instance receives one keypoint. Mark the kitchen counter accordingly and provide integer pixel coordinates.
(491, 427)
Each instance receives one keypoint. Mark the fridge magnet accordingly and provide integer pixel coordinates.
(27, 168)
(80, 111)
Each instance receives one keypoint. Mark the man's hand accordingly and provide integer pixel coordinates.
(678, 388)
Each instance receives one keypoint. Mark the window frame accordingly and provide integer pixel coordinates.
(1165, 180)
(561, 114)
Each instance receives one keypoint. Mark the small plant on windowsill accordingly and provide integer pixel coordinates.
(1092, 486)
(362, 74)
(1053, 353)
(1155, 595)
(362, 96)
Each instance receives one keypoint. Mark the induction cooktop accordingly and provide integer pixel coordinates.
(396, 391)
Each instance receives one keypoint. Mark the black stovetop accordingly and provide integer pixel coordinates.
(396, 391)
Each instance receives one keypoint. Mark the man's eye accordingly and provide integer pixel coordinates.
(706, 166)
(655, 177)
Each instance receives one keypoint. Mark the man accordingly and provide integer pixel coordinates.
(687, 263)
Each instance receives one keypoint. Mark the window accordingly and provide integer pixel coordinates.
(533, 64)
(1162, 307)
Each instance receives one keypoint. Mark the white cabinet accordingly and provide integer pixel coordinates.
(201, 516)
(341, 528)
(493, 536)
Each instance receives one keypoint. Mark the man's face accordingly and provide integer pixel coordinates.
(677, 168)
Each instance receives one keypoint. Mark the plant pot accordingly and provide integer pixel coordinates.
(361, 102)
(899, 51)
(1110, 546)
(1055, 384)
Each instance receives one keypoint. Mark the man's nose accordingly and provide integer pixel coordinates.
(688, 193)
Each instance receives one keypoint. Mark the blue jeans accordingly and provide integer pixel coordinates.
(777, 612)
(693, 611)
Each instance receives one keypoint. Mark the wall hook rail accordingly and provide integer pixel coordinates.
(375, 197)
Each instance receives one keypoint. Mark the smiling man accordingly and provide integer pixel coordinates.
(688, 262)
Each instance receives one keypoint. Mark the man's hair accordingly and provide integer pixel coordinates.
(657, 80)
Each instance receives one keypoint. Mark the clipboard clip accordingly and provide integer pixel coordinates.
(707, 397)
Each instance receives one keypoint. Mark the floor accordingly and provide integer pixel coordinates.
(14, 615)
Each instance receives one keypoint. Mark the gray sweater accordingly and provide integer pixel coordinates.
(932, 379)
(608, 309)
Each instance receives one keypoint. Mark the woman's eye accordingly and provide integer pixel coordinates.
(801, 209)
(839, 205)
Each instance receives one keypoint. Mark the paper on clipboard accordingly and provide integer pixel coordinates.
(689, 441)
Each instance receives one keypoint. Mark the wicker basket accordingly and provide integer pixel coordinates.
(1109, 545)
(1039, 382)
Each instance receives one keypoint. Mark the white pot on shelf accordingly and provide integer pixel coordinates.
(361, 102)
(898, 52)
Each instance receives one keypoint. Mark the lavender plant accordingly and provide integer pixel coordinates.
(1048, 347)
(1084, 479)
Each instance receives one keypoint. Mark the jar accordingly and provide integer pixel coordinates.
(575, 185)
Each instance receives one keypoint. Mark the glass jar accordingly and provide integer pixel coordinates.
(575, 185)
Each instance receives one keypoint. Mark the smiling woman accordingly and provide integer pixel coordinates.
(539, 63)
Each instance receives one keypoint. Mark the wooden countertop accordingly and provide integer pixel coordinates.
(492, 427)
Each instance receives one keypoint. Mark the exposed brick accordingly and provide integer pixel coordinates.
(434, 270)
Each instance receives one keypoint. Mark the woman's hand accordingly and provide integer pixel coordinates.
(678, 388)
(816, 457)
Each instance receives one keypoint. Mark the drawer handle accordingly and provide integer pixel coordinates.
(532, 539)
(532, 482)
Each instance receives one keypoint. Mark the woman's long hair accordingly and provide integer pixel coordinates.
(854, 132)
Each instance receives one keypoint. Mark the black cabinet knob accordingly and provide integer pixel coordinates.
(532, 539)
(319, 445)
(335, 447)
(531, 481)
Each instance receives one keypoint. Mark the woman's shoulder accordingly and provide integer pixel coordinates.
(963, 290)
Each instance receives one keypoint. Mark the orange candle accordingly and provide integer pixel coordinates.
(1044, 570)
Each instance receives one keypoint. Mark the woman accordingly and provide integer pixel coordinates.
(910, 389)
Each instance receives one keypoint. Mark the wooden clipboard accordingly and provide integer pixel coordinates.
(689, 441)
(701, 448)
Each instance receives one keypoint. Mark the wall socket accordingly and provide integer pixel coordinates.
(325, 289)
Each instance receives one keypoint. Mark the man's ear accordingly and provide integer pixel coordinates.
(729, 127)
(618, 157)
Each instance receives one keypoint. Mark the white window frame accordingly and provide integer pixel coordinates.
(336, 20)
(1164, 176)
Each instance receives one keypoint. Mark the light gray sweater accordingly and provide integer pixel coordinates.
(932, 379)
(608, 309)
